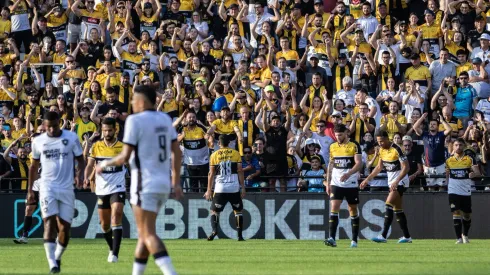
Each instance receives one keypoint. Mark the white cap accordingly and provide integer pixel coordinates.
(88, 100)
(485, 36)
(336, 113)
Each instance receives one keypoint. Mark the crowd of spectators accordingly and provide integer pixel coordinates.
(273, 76)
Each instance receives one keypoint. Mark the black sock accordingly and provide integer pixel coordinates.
(333, 224)
(458, 226)
(388, 220)
(215, 222)
(116, 239)
(466, 226)
(402, 220)
(239, 224)
(27, 226)
(354, 221)
(108, 238)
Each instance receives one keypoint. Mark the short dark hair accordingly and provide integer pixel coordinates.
(366, 4)
(109, 121)
(148, 91)
(464, 73)
(461, 52)
(382, 133)
(339, 128)
(224, 140)
(51, 116)
(219, 88)
(460, 140)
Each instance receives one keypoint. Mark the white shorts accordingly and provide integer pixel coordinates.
(58, 203)
(436, 171)
(74, 33)
(149, 201)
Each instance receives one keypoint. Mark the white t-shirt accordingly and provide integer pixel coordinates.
(151, 134)
(324, 142)
(347, 96)
(252, 18)
(484, 107)
(371, 102)
(57, 156)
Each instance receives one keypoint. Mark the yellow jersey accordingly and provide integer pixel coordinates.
(227, 163)
(392, 159)
(342, 157)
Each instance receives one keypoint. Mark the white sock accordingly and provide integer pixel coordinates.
(138, 268)
(50, 248)
(59, 251)
(165, 265)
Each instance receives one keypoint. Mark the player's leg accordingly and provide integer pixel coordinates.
(457, 219)
(466, 211)
(389, 214)
(140, 255)
(49, 211)
(237, 205)
(396, 199)
(217, 205)
(104, 210)
(117, 206)
(335, 201)
(66, 204)
(352, 197)
(30, 208)
(147, 224)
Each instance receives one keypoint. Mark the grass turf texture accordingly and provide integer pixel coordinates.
(261, 257)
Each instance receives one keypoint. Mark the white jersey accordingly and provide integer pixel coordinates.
(151, 134)
(57, 156)
(484, 107)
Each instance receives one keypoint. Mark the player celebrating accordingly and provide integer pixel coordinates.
(396, 165)
(56, 150)
(151, 146)
(226, 165)
(109, 187)
(343, 172)
(460, 169)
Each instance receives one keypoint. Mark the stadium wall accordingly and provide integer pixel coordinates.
(266, 216)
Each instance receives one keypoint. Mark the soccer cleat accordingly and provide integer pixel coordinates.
(54, 270)
(459, 241)
(110, 257)
(466, 239)
(58, 262)
(379, 239)
(353, 244)
(330, 242)
(21, 240)
(405, 240)
(211, 237)
(241, 239)
(114, 259)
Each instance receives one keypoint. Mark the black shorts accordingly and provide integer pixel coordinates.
(351, 195)
(401, 189)
(221, 199)
(36, 199)
(458, 202)
(105, 201)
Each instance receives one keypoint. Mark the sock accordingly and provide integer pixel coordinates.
(239, 224)
(139, 266)
(50, 247)
(388, 220)
(354, 221)
(458, 226)
(333, 224)
(108, 238)
(60, 249)
(466, 226)
(215, 222)
(116, 240)
(164, 263)
(27, 226)
(402, 220)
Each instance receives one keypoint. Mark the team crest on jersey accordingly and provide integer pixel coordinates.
(218, 205)
(65, 142)
(236, 205)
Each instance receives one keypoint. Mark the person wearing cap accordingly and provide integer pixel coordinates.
(466, 14)
(483, 52)
(174, 15)
(403, 32)
(414, 160)
(241, 99)
(479, 79)
(474, 34)
(340, 69)
(431, 31)
(224, 126)
(419, 74)
(320, 9)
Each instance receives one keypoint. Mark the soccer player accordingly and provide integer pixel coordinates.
(396, 165)
(460, 169)
(343, 172)
(226, 166)
(109, 187)
(151, 146)
(56, 150)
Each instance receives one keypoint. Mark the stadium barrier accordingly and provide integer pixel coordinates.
(266, 216)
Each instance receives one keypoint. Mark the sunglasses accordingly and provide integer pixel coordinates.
(69, 61)
(173, 62)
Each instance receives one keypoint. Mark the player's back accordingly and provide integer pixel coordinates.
(226, 161)
(151, 133)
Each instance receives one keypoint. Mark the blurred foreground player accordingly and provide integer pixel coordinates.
(56, 150)
(226, 166)
(460, 169)
(151, 146)
(396, 165)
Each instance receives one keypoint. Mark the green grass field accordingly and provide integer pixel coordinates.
(262, 257)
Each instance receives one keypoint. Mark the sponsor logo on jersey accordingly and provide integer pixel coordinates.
(54, 154)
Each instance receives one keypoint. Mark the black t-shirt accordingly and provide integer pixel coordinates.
(104, 109)
(86, 60)
(414, 158)
(177, 18)
(4, 166)
(276, 141)
(96, 49)
(38, 38)
(467, 20)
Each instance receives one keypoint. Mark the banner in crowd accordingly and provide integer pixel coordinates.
(266, 216)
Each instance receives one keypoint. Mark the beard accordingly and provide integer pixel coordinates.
(192, 123)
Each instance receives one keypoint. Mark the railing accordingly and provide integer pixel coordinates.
(480, 184)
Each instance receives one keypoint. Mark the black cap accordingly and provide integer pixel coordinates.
(427, 11)
(402, 22)
(225, 108)
(342, 56)
(233, 6)
(148, 5)
(297, 6)
(414, 56)
(318, 2)
(125, 74)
